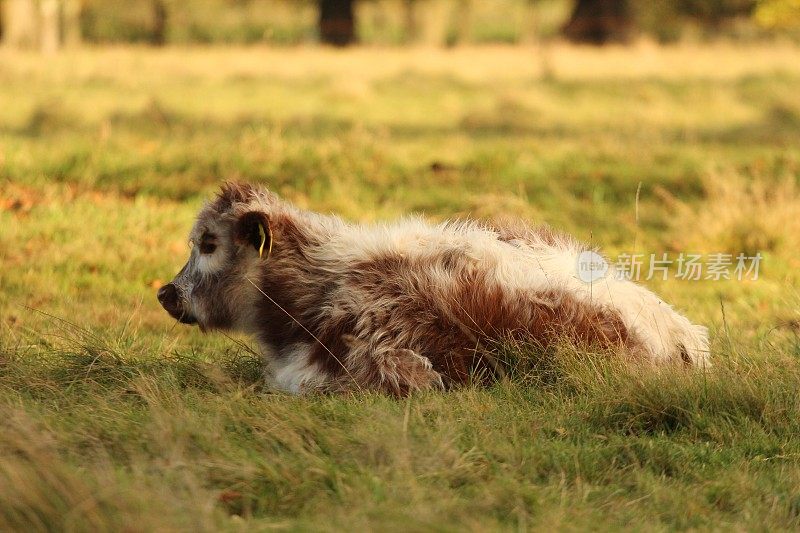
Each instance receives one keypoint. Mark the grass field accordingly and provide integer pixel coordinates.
(112, 417)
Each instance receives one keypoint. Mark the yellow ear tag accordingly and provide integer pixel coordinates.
(263, 235)
(263, 240)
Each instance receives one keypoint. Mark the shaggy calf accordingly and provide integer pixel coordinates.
(406, 306)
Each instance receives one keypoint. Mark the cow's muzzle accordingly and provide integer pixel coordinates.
(171, 302)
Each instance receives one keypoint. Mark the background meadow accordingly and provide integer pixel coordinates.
(112, 416)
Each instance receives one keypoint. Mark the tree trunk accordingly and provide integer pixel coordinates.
(600, 22)
(72, 22)
(19, 23)
(411, 26)
(434, 18)
(463, 21)
(50, 26)
(337, 22)
(159, 35)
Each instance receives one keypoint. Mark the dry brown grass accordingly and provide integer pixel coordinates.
(743, 215)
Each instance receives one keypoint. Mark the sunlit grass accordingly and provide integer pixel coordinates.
(115, 417)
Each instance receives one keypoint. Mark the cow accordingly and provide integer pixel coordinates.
(405, 306)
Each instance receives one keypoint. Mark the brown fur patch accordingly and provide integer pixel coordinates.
(232, 193)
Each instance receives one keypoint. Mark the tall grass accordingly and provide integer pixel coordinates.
(98, 438)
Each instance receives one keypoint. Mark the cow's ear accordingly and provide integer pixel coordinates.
(252, 229)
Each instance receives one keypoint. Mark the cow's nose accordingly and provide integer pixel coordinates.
(168, 295)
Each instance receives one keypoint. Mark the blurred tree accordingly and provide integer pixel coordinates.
(159, 34)
(713, 13)
(599, 22)
(337, 22)
(50, 38)
(463, 21)
(48, 24)
(72, 22)
(775, 14)
(411, 26)
(20, 23)
(32, 23)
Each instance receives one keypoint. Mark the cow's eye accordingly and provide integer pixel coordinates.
(207, 244)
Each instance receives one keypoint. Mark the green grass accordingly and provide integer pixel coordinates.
(113, 417)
